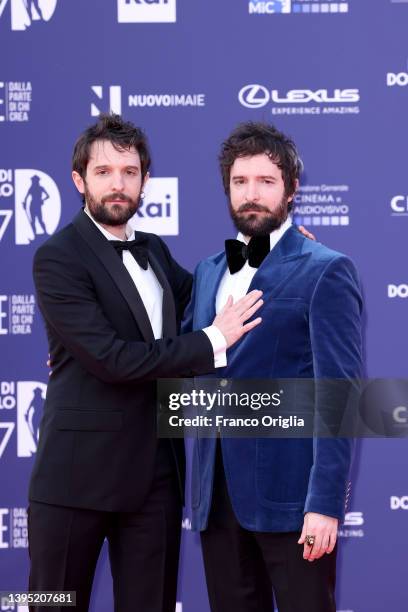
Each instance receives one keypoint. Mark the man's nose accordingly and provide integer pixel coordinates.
(252, 192)
(117, 181)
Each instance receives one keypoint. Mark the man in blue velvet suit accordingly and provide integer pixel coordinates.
(268, 509)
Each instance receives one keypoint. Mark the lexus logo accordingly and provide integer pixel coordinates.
(254, 96)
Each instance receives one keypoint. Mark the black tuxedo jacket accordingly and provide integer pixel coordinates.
(98, 442)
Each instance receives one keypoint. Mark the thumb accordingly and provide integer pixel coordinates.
(302, 538)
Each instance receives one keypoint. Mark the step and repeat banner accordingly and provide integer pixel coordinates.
(333, 75)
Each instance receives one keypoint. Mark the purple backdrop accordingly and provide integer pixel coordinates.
(334, 75)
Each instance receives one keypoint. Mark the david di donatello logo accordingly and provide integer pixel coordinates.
(13, 534)
(27, 13)
(33, 199)
(17, 314)
(146, 11)
(21, 407)
(304, 7)
(15, 100)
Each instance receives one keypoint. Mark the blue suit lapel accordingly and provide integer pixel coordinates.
(273, 274)
(212, 273)
(281, 263)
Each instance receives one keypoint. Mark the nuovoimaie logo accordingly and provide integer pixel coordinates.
(33, 198)
(109, 99)
(21, 407)
(27, 13)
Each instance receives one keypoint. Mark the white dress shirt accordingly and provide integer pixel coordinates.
(237, 284)
(151, 293)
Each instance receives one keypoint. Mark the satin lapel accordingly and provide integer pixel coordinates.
(169, 307)
(120, 276)
(281, 263)
(210, 280)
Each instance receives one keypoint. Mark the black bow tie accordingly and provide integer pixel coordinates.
(137, 247)
(238, 252)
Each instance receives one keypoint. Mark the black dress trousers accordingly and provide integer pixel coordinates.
(245, 570)
(65, 543)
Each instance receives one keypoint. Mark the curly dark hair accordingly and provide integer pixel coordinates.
(252, 138)
(121, 134)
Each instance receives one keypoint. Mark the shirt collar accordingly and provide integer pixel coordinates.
(130, 234)
(274, 236)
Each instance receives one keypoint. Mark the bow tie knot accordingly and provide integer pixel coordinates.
(138, 248)
(254, 252)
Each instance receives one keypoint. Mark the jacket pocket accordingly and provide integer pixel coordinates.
(70, 419)
(283, 471)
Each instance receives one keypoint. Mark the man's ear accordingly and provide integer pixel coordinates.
(295, 190)
(146, 178)
(78, 181)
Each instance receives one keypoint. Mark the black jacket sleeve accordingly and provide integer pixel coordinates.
(70, 307)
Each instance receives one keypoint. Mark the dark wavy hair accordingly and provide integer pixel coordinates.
(121, 134)
(253, 138)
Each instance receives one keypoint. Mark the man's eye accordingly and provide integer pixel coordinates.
(102, 172)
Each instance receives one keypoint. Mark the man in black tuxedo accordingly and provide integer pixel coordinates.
(112, 301)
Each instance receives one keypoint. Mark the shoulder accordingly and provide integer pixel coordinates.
(323, 256)
(62, 241)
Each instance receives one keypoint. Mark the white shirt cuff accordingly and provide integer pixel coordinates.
(219, 345)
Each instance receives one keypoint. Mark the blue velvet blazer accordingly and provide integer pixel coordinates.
(311, 328)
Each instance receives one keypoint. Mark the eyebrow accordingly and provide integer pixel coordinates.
(261, 176)
(103, 166)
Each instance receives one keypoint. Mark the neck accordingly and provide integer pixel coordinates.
(117, 230)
